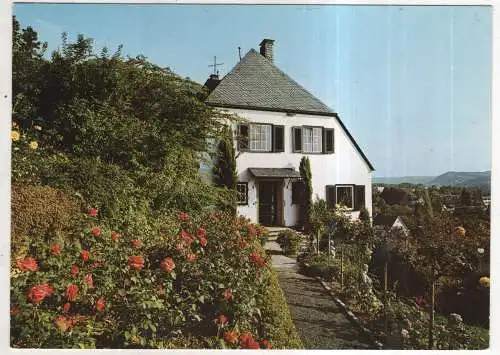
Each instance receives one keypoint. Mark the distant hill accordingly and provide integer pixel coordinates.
(454, 178)
(450, 178)
(399, 180)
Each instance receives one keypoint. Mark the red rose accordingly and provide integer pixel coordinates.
(39, 292)
(203, 241)
(221, 320)
(14, 311)
(114, 236)
(167, 264)
(183, 217)
(136, 262)
(231, 336)
(71, 292)
(27, 264)
(186, 237)
(66, 307)
(92, 212)
(85, 255)
(191, 257)
(74, 270)
(257, 259)
(89, 280)
(99, 304)
(228, 295)
(136, 243)
(248, 342)
(200, 232)
(55, 249)
(96, 231)
(266, 344)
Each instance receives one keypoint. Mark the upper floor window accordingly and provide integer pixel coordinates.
(261, 137)
(313, 140)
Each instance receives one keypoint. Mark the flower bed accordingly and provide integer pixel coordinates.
(198, 282)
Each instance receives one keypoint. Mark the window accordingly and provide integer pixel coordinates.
(242, 193)
(260, 137)
(298, 192)
(312, 140)
(351, 196)
(345, 195)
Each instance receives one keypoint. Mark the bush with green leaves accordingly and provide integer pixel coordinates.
(289, 241)
(198, 276)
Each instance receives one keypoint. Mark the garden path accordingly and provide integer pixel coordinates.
(321, 323)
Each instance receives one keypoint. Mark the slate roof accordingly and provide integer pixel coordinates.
(256, 82)
(274, 173)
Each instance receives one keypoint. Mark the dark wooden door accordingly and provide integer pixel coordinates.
(267, 203)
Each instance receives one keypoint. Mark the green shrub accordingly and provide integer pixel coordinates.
(138, 298)
(289, 241)
(40, 212)
(278, 326)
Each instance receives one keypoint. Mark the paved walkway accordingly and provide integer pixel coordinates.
(321, 323)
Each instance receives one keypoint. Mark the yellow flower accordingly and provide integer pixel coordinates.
(15, 136)
(37, 127)
(459, 231)
(33, 145)
(484, 281)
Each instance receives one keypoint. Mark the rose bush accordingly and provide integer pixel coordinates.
(109, 292)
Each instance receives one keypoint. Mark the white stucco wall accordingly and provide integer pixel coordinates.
(345, 166)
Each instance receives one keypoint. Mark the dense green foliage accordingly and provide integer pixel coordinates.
(289, 241)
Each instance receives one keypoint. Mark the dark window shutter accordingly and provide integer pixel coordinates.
(331, 195)
(243, 132)
(328, 140)
(297, 139)
(278, 138)
(359, 197)
(298, 192)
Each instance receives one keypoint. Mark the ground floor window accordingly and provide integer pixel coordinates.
(345, 195)
(242, 193)
(349, 195)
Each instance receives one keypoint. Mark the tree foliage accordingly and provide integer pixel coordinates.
(306, 175)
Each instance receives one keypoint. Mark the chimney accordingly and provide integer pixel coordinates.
(212, 82)
(266, 49)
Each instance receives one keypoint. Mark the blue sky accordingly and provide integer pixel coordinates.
(411, 83)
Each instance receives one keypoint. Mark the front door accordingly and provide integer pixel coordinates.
(268, 206)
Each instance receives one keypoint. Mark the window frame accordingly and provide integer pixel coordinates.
(238, 193)
(320, 139)
(352, 187)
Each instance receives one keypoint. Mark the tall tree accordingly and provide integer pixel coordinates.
(225, 163)
(306, 175)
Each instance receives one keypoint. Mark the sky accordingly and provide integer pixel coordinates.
(411, 83)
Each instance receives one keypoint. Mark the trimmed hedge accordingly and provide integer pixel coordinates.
(277, 321)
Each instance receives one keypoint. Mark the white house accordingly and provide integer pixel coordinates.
(389, 224)
(285, 122)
